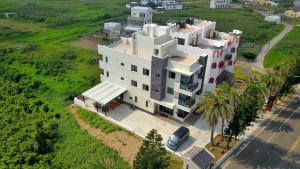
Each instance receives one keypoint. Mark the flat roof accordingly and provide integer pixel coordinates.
(190, 59)
(123, 47)
(104, 92)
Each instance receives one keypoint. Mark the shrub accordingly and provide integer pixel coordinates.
(249, 55)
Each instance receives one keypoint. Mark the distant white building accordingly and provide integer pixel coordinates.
(271, 3)
(273, 19)
(145, 2)
(164, 69)
(219, 3)
(112, 26)
(171, 5)
(139, 16)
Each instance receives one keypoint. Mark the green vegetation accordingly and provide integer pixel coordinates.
(256, 32)
(96, 121)
(152, 154)
(40, 75)
(287, 47)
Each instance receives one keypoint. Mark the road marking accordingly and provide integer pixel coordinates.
(294, 145)
(274, 117)
(284, 122)
(226, 164)
(242, 148)
(263, 129)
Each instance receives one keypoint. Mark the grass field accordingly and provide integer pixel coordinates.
(39, 33)
(288, 46)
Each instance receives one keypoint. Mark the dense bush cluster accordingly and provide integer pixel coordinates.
(27, 127)
(8, 32)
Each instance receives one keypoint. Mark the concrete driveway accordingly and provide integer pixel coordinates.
(141, 123)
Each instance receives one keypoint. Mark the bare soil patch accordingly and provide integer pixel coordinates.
(85, 42)
(122, 141)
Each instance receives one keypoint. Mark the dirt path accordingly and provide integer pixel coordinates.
(125, 143)
(258, 64)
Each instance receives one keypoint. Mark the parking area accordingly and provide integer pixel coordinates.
(141, 123)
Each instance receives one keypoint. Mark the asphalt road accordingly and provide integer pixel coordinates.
(275, 144)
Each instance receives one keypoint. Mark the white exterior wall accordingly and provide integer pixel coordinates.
(116, 71)
(219, 3)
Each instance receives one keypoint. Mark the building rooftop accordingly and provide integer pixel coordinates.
(141, 8)
(190, 59)
(124, 46)
(200, 156)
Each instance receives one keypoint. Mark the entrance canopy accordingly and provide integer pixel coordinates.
(104, 92)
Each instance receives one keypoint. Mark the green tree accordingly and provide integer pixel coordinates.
(152, 154)
(228, 94)
(246, 109)
(210, 107)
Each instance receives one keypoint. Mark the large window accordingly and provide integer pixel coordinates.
(166, 110)
(134, 68)
(186, 83)
(145, 87)
(170, 90)
(172, 75)
(145, 72)
(185, 100)
(181, 113)
(134, 83)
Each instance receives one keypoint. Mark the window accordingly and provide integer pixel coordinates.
(147, 104)
(134, 68)
(101, 71)
(156, 90)
(170, 90)
(181, 41)
(130, 98)
(107, 74)
(232, 50)
(221, 64)
(133, 83)
(157, 75)
(166, 110)
(181, 113)
(156, 51)
(214, 65)
(122, 78)
(145, 87)
(135, 99)
(230, 62)
(122, 64)
(145, 72)
(106, 59)
(211, 80)
(172, 75)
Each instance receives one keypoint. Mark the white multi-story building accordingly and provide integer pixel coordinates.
(139, 16)
(165, 69)
(219, 3)
(171, 5)
(145, 2)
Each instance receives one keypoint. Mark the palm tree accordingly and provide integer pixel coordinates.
(209, 108)
(228, 95)
(273, 84)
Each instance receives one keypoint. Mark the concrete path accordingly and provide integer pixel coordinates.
(141, 123)
(258, 64)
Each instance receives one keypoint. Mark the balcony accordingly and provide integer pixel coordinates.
(186, 101)
(189, 87)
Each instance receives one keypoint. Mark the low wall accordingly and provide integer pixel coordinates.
(79, 102)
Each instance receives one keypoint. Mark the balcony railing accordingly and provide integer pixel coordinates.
(187, 102)
(189, 87)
